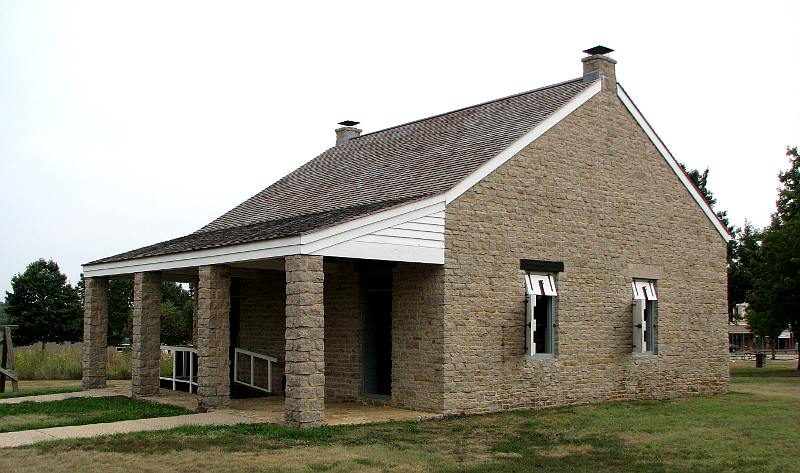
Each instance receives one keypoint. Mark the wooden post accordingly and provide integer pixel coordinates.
(7, 361)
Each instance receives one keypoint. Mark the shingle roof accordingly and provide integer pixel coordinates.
(376, 171)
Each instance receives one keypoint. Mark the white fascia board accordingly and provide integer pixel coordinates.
(528, 138)
(311, 243)
(637, 115)
(384, 252)
(221, 255)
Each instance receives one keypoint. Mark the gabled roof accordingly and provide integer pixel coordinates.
(377, 171)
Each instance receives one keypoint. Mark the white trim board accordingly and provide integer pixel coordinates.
(673, 163)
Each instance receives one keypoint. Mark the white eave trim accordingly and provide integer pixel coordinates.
(637, 115)
(528, 138)
(315, 243)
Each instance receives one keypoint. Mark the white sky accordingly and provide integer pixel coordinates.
(125, 124)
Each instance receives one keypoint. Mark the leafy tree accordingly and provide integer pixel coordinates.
(46, 308)
(763, 325)
(177, 309)
(777, 275)
(173, 325)
(743, 256)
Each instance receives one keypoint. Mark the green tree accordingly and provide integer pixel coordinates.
(46, 308)
(177, 309)
(743, 253)
(173, 325)
(777, 275)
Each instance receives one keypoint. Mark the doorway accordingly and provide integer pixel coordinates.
(376, 365)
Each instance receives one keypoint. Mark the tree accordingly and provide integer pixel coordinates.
(762, 325)
(45, 307)
(777, 274)
(177, 309)
(743, 253)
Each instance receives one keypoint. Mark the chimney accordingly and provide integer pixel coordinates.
(347, 132)
(598, 65)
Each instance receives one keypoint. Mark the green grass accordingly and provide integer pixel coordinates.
(751, 429)
(38, 392)
(78, 411)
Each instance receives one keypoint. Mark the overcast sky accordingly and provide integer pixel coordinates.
(125, 124)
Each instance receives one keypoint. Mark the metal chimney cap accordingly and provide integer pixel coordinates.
(349, 123)
(598, 50)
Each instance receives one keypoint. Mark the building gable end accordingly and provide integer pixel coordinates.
(673, 163)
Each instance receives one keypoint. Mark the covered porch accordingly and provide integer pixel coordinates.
(301, 340)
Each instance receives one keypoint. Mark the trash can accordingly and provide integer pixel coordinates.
(761, 360)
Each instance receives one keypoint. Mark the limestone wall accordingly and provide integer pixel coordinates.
(594, 193)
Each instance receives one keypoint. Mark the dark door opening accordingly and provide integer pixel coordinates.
(377, 334)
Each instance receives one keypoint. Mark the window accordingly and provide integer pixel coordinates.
(540, 314)
(645, 312)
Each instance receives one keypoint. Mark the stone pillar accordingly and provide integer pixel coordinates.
(213, 336)
(146, 343)
(305, 350)
(95, 332)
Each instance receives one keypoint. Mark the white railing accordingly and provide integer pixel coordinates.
(184, 358)
(253, 357)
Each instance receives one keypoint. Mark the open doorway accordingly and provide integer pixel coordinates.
(376, 365)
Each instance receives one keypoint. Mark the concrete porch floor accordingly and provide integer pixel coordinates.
(269, 409)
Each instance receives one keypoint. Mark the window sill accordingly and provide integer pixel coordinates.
(646, 354)
(541, 357)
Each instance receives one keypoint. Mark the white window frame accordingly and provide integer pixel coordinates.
(645, 299)
(540, 284)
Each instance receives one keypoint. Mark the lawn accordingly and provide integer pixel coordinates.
(78, 411)
(751, 429)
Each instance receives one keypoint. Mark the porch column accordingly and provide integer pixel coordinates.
(95, 332)
(213, 336)
(305, 350)
(146, 343)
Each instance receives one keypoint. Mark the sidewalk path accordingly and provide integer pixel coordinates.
(28, 437)
(107, 392)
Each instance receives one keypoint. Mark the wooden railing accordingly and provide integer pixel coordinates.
(184, 367)
(253, 357)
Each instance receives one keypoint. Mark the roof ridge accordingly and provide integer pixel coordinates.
(538, 89)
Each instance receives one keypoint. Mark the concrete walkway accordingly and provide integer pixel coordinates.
(28, 437)
(243, 411)
(61, 396)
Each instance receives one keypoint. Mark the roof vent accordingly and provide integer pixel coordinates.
(347, 132)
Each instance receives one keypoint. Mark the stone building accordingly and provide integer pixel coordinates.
(542, 249)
